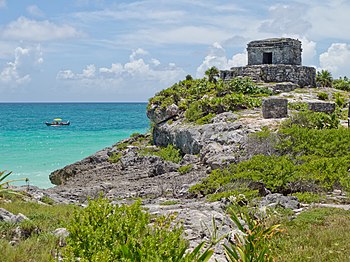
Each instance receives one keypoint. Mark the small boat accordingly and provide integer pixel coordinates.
(57, 122)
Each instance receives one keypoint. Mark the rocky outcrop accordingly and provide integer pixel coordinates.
(218, 143)
(7, 216)
(158, 114)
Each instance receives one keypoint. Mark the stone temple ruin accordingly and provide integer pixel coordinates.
(274, 60)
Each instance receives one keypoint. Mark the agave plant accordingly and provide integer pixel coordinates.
(4, 183)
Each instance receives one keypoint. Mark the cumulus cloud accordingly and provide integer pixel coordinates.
(286, 19)
(217, 57)
(32, 30)
(17, 72)
(35, 11)
(147, 76)
(336, 59)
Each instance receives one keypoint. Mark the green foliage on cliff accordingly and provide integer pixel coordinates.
(169, 153)
(200, 97)
(303, 158)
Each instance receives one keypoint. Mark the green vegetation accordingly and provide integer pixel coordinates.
(322, 96)
(169, 153)
(342, 84)
(324, 78)
(36, 243)
(308, 197)
(319, 234)
(185, 169)
(299, 106)
(4, 183)
(106, 232)
(201, 97)
(115, 157)
(303, 156)
(251, 245)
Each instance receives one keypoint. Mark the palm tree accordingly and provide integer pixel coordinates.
(324, 79)
(212, 73)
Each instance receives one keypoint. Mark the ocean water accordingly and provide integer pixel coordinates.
(31, 149)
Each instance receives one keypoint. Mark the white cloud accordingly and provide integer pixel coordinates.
(32, 30)
(18, 71)
(137, 76)
(217, 57)
(286, 19)
(336, 59)
(10, 73)
(35, 11)
(2, 3)
(137, 52)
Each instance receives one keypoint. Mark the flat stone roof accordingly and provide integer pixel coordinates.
(274, 42)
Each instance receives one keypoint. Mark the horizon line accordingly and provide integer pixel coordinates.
(70, 102)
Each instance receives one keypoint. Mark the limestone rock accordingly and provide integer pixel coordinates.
(158, 115)
(7, 216)
(275, 108)
(273, 200)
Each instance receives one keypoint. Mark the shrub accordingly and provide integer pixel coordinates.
(251, 244)
(200, 97)
(170, 153)
(322, 96)
(115, 157)
(299, 106)
(106, 232)
(339, 100)
(307, 197)
(342, 84)
(122, 233)
(184, 169)
(312, 120)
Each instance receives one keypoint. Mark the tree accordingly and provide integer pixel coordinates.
(212, 73)
(189, 77)
(324, 78)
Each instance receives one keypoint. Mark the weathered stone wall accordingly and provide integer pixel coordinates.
(324, 107)
(282, 51)
(301, 75)
(275, 108)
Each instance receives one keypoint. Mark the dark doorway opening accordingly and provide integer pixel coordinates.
(267, 58)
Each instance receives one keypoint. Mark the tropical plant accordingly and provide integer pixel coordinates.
(106, 232)
(324, 78)
(251, 243)
(5, 183)
(212, 73)
(322, 96)
(342, 84)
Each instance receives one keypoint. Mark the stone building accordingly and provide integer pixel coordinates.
(285, 51)
(276, 60)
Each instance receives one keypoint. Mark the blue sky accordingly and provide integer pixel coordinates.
(100, 50)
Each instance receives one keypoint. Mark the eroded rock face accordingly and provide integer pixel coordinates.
(217, 143)
(158, 115)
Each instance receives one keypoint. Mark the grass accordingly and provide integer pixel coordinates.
(38, 244)
(319, 234)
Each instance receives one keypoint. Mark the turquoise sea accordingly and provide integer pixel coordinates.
(31, 149)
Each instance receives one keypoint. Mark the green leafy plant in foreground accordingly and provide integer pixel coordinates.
(106, 232)
(250, 244)
(5, 183)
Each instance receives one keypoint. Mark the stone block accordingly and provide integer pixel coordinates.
(275, 108)
(325, 107)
